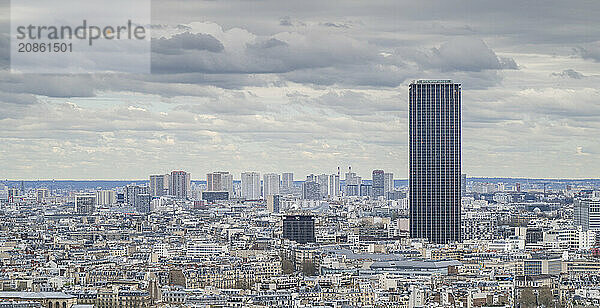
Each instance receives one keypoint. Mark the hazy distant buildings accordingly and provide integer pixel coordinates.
(378, 183)
(138, 197)
(250, 185)
(287, 181)
(142, 203)
(299, 228)
(388, 182)
(311, 191)
(41, 194)
(366, 190)
(353, 183)
(12, 194)
(213, 181)
(227, 183)
(159, 185)
(220, 181)
(132, 190)
(271, 182)
(180, 184)
(435, 160)
(334, 185)
(323, 180)
(85, 203)
(106, 197)
(463, 184)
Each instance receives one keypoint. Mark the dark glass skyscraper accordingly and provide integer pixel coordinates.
(435, 160)
(299, 228)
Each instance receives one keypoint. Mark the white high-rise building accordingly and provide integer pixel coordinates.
(352, 183)
(323, 180)
(3, 192)
(180, 184)
(287, 180)
(334, 185)
(251, 185)
(159, 184)
(106, 197)
(353, 179)
(388, 182)
(41, 194)
(227, 183)
(220, 181)
(271, 183)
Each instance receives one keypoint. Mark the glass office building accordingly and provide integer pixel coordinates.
(435, 160)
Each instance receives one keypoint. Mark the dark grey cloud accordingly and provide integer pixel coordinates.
(335, 25)
(283, 53)
(356, 103)
(285, 21)
(589, 51)
(4, 50)
(224, 107)
(370, 75)
(17, 98)
(569, 73)
(266, 44)
(183, 42)
(48, 85)
(463, 54)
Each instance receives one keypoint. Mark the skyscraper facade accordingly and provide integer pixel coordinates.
(106, 197)
(311, 191)
(378, 183)
(353, 183)
(271, 182)
(220, 181)
(323, 180)
(586, 213)
(85, 203)
(299, 228)
(435, 160)
(158, 184)
(180, 184)
(334, 185)
(213, 181)
(388, 182)
(287, 180)
(250, 185)
(138, 197)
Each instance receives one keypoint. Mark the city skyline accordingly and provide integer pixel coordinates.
(276, 153)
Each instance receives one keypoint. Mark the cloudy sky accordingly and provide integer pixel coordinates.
(306, 86)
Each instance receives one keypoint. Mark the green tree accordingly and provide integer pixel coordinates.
(309, 269)
(287, 267)
(527, 298)
(243, 284)
(546, 298)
